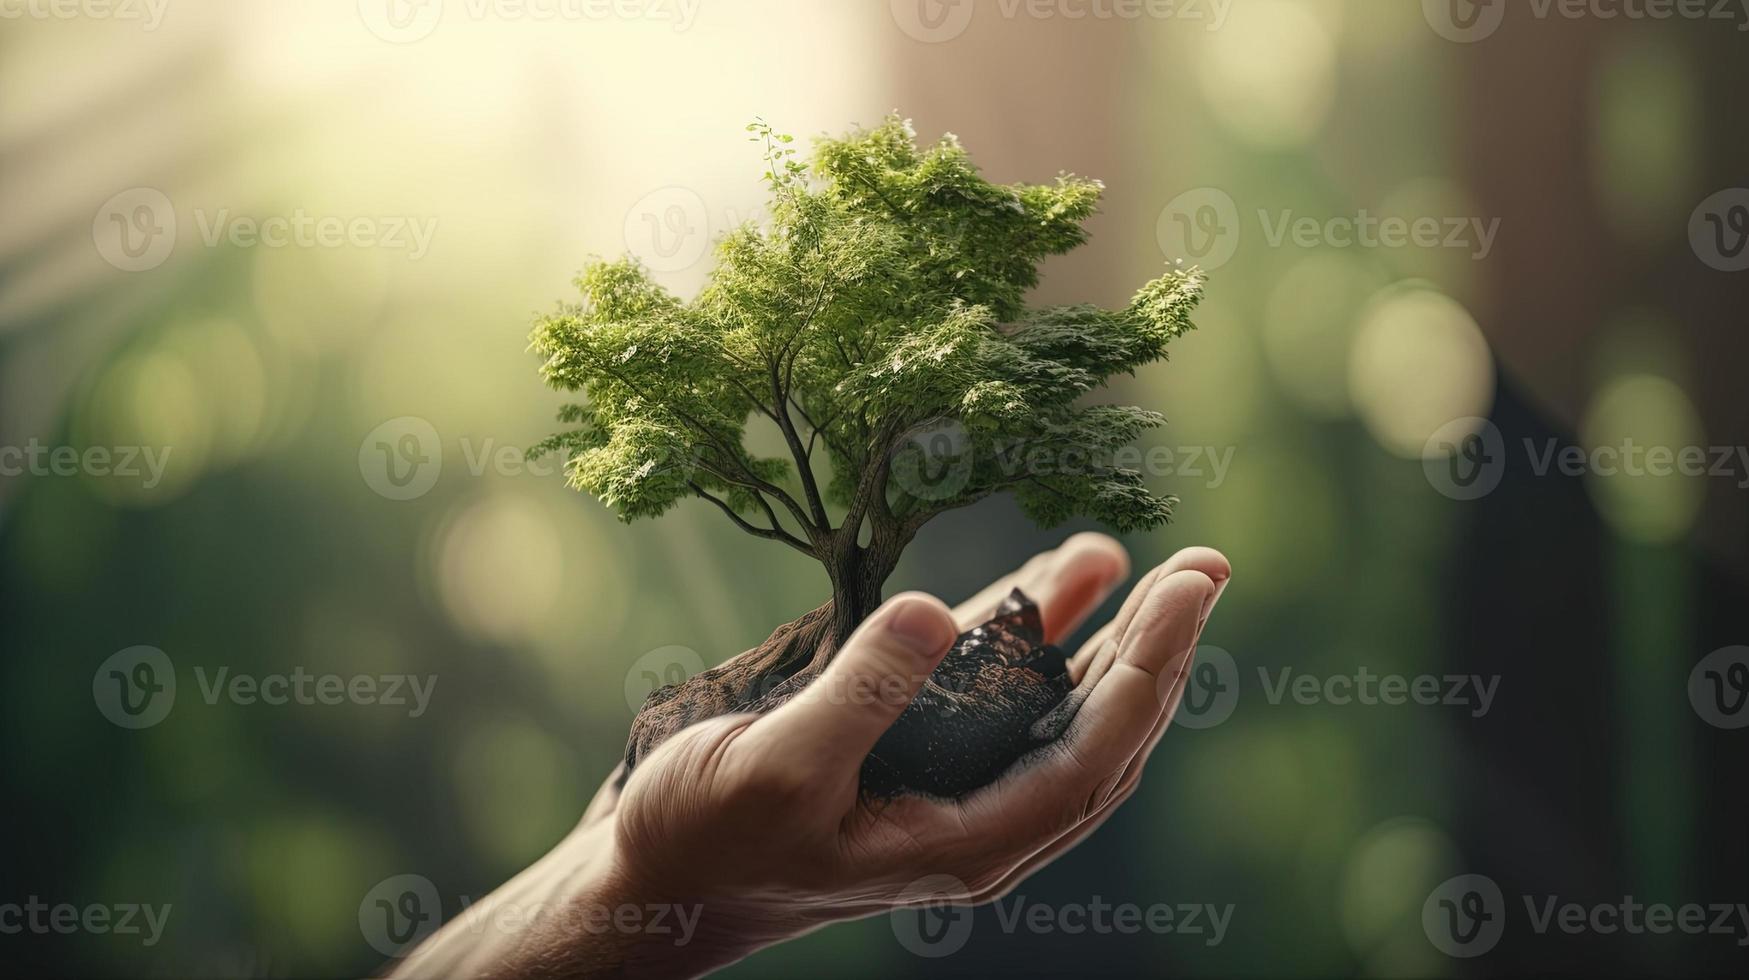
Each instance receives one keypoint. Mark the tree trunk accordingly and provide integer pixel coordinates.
(858, 575)
(789, 658)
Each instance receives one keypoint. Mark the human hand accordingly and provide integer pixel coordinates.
(752, 828)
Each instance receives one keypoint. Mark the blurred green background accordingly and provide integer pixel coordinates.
(525, 144)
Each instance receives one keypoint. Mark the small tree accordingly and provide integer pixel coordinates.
(884, 297)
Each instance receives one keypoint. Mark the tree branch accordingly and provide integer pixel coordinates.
(810, 486)
(756, 483)
(772, 533)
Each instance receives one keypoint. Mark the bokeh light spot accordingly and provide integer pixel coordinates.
(1419, 361)
(1636, 431)
(1269, 75)
(1308, 327)
(499, 568)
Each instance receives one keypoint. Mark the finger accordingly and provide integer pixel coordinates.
(1126, 784)
(1133, 770)
(1205, 560)
(1154, 647)
(1068, 583)
(838, 717)
(1068, 781)
(1089, 656)
(1069, 839)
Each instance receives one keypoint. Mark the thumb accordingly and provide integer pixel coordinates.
(839, 717)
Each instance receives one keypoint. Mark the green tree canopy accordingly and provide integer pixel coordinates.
(883, 298)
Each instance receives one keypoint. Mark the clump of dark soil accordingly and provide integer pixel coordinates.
(1000, 693)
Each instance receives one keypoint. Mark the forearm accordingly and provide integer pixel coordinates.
(575, 914)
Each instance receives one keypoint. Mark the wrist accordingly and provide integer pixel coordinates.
(644, 924)
(599, 916)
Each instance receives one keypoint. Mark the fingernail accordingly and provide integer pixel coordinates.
(1208, 605)
(919, 626)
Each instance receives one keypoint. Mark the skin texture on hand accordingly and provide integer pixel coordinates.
(747, 830)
